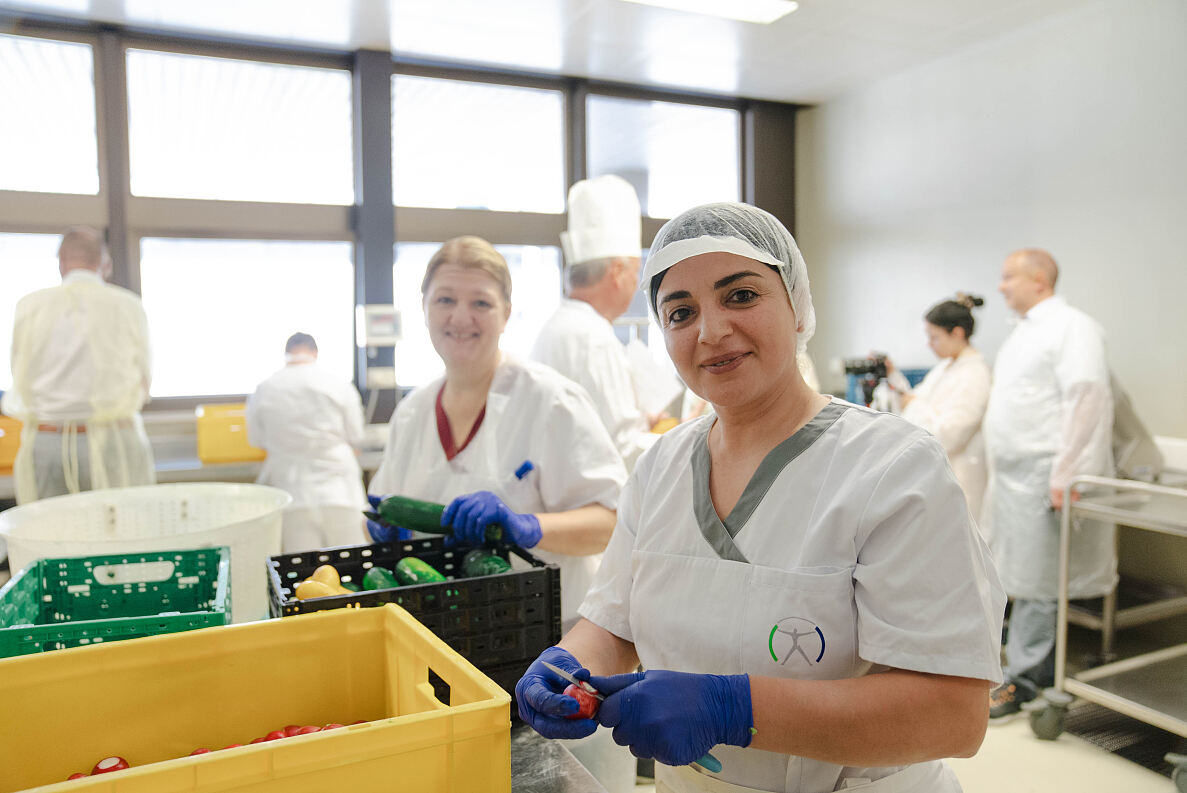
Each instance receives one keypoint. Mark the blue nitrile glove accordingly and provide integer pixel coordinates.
(381, 532)
(470, 515)
(541, 703)
(675, 717)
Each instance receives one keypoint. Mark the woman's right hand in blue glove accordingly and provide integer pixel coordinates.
(541, 703)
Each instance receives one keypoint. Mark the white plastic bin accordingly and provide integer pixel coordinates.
(245, 518)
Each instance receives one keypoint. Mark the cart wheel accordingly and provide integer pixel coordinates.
(1179, 774)
(1048, 714)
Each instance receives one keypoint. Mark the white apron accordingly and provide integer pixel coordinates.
(117, 448)
(755, 620)
(1051, 353)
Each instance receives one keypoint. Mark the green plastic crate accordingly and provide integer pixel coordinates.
(57, 603)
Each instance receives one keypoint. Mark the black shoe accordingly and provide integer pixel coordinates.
(1007, 699)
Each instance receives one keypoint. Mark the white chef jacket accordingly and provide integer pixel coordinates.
(580, 343)
(851, 550)
(81, 360)
(1050, 418)
(532, 414)
(950, 404)
(311, 425)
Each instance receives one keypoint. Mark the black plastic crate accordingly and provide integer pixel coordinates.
(497, 622)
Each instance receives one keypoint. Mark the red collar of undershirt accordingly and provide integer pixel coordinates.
(448, 445)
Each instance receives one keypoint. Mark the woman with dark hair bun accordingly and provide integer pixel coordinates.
(950, 402)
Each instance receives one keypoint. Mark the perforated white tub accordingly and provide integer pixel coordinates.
(246, 518)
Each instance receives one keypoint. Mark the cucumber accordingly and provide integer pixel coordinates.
(423, 516)
(480, 561)
(379, 578)
(411, 570)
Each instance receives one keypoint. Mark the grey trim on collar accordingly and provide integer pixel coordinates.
(720, 535)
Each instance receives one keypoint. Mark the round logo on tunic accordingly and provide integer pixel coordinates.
(796, 640)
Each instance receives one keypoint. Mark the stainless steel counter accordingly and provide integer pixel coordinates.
(540, 765)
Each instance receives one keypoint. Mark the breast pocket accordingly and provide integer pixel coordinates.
(800, 623)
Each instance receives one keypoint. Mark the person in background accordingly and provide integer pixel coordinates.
(311, 425)
(602, 253)
(1050, 419)
(497, 439)
(799, 576)
(950, 402)
(81, 370)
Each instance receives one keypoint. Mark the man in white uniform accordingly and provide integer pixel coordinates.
(602, 247)
(80, 370)
(1049, 419)
(311, 425)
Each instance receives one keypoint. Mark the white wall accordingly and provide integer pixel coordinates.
(1070, 135)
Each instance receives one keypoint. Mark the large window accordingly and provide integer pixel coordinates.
(535, 294)
(219, 311)
(218, 128)
(477, 146)
(676, 155)
(28, 262)
(48, 141)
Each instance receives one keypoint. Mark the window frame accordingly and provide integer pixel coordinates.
(128, 219)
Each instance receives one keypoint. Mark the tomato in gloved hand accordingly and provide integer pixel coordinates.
(587, 703)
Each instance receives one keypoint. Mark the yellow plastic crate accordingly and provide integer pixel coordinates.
(222, 435)
(154, 700)
(10, 441)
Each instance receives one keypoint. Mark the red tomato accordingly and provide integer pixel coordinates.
(307, 730)
(292, 730)
(199, 751)
(232, 746)
(77, 775)
(275, 735)
(332, 726)
(587, 703)
(109, 764)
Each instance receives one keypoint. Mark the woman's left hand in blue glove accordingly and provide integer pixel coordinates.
(675, 717)
(470, 515)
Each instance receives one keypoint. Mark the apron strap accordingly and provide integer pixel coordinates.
(720, 534)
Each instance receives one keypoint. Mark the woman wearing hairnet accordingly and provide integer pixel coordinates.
(950, 402)
(797, 575)
(497, 439)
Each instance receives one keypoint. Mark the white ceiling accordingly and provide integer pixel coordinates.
(822, 50)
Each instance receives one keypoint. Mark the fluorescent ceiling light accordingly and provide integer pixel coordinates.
(763, 12)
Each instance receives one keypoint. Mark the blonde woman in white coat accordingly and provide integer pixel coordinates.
(950, 402)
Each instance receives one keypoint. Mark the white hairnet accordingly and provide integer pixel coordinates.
(605, 221)
(741, 229)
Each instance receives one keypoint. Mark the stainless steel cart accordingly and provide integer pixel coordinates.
(1151, 687)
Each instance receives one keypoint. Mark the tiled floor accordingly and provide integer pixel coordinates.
(1013, 760)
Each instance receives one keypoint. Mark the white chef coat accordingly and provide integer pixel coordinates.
(950, 404)
(1050, 418)
(532, 414)
(580, 343)
(851, 550)
(311, 424)
(81, 362)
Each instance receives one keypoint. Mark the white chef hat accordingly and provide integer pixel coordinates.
(604, 221)
(734, 228)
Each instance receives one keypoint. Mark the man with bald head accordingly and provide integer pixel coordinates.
(1050, 419)
(80, 374)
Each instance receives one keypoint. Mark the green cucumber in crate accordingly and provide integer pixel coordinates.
(411, 570)
(422, 516)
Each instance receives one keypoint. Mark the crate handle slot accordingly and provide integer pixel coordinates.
(133, 572)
